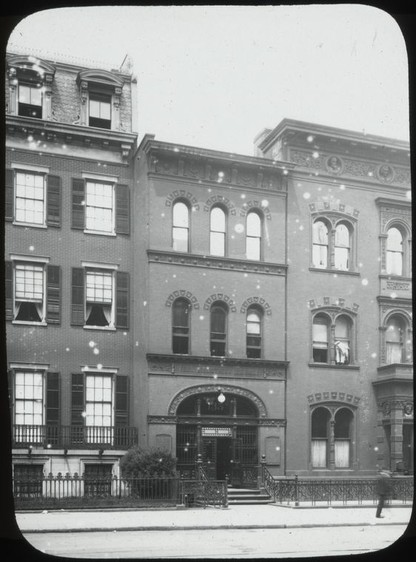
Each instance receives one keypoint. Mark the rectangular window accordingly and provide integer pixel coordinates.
(30, 198)
(30, 101)
(27, 480)
(29, 291)
(100, 111)
(99, 408)
(99, 298)
(29, 406)
(99, 207)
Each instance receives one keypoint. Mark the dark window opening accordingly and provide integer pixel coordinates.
(28, 312)
(180, 327)
(97, 315)
(218, 331)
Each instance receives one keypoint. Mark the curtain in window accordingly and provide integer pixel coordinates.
(342, 340)
(180, 232)
(319, 456)
(394, 341)
(217, 232)
(320, 244)
(394, 252)
(342, 453)
(320, 339)
(342, 247)
(253, 239)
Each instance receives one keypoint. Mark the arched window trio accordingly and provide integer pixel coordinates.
(218, 235)
(218, 344)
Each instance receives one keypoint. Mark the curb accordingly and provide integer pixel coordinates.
(206, 527)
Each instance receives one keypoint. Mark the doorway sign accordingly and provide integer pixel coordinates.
(216, 432)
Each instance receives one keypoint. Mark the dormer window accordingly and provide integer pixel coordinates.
(30, 87)
(100, 110)
(30, 101)
(100, 92)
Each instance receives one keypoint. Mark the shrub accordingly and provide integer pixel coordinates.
(139, 462)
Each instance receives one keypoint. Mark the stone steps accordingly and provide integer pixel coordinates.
(241, 496)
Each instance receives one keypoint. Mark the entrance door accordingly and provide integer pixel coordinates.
(224, 456)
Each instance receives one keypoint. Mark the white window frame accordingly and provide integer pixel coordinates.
(33, 261)
(107, 268)
(105, 181)
(35, 171)
(93, 372)
(23, 368)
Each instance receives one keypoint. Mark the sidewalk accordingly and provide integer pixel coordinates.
(234, 517)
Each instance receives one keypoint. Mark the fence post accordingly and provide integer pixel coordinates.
(260, 476)
(198, 466)
(296, 490)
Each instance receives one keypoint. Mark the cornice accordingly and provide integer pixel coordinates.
(212, 262)
(65, 133)
(151, 146)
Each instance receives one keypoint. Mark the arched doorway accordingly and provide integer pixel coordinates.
(222, 427)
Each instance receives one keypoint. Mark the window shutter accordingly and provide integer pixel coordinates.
(121, 417)
(9, 195)
(122, 299)
(54, 201)
(53, 294)
(78, 203)
(77, 304)
(8, 274)
(52, 398)
(77, 402)
(122, 209)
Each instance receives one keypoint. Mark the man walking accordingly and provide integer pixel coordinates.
(383, 489)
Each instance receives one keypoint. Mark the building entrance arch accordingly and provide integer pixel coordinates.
(220, 425)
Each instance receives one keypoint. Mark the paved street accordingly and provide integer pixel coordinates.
(240, 531)
(218, 543)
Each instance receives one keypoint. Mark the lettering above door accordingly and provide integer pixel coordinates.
(216, 432)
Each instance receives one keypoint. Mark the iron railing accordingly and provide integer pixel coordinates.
(82, 437)
(287, 490)
(83, 490)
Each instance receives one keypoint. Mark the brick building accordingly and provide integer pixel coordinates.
(200, 301)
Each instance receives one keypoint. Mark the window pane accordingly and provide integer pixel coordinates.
(217, 244)
(253, 248)
(253, 225)
(180, 215)
(342, 327)
(342, 236)
(394, 332)
(341, 258)
(318, 453)
(320, 233)
(218, 320)
(394, 240)
(342, 453)
(180, 313)
(180, 239)
(217, 220)
(99, 211)
(394, 263)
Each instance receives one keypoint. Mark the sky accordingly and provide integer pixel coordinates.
(215, 76)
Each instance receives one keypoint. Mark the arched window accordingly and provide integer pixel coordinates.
(181, 311)
(253, 236)
(342, 247)
(320, 338)
(342, 435)
(320, 244)
(217, 232)
(319, 437)
(254, 332)
(394, 252)
(180, 233)
(398, 341)
(218, 334)
(342, 344)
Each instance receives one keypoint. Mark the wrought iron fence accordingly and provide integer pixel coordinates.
(75, 490)
(352, 490)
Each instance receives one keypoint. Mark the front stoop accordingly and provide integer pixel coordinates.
(243, 496)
